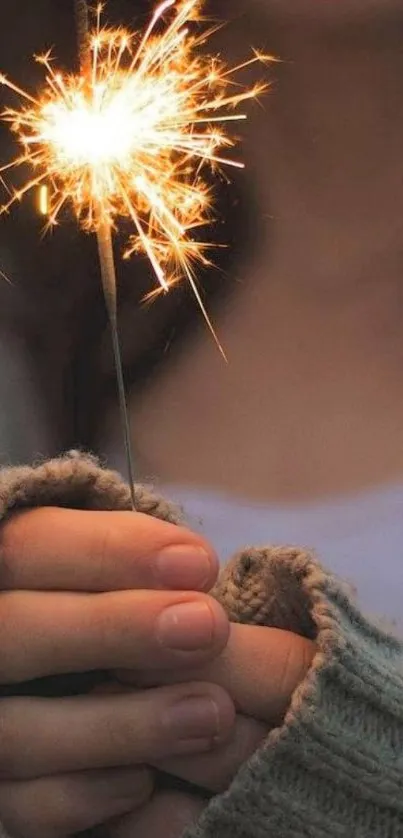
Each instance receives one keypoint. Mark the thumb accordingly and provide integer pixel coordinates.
(260, 668)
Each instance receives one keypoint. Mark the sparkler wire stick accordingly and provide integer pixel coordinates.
(107, 261)
(130, 136)
(83, 34)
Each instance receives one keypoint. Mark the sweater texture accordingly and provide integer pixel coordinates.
(335, 765)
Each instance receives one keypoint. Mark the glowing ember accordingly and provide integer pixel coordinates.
(131, 137)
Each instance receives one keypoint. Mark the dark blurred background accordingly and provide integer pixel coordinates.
(52, 315)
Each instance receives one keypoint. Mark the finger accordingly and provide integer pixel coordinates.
(168, 814)
(49, 633)
(44, 736)
(260, 668)
(53, 807)
(215, 771)
(211, 772)
(67, 549)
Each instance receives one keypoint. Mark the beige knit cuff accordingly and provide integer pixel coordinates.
(332, 768)
(76, 481)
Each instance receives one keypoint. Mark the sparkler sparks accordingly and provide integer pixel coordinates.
(131, 135)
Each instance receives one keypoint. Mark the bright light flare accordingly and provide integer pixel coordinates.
(133, 135)
(43, 200)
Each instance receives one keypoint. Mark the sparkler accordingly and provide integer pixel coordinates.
(130, 137)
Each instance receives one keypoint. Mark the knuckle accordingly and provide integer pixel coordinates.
(117, 627)
(130, 728)
(116, 735)
(105, 625)
(104, 546)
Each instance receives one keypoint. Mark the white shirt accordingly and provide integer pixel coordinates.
(360, 538)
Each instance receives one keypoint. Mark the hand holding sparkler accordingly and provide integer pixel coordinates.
(72, 763)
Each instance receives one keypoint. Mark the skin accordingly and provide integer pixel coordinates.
(261, 701)
(323, 161)
(76, 585)
(92, 590)
(335, 234)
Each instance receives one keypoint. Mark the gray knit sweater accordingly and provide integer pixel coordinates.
(335, 766)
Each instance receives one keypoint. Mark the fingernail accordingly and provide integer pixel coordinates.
(183, 566)
(186, 626)
(194, 718)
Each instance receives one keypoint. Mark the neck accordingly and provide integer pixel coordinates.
(311, 401)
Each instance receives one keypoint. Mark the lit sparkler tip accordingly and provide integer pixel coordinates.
(266, 58)
(43, 201)
(132, 135)
(5, 277)
(43, 57)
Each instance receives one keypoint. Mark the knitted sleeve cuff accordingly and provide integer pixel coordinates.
(335, 766)
(77, 481)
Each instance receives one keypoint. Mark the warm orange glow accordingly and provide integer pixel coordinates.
(43, 200)
(132, 137)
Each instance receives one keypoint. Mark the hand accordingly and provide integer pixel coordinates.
(167, 814)
(260, 668)
(75, 597)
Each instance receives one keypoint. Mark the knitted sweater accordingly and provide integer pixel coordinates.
(335, 766)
